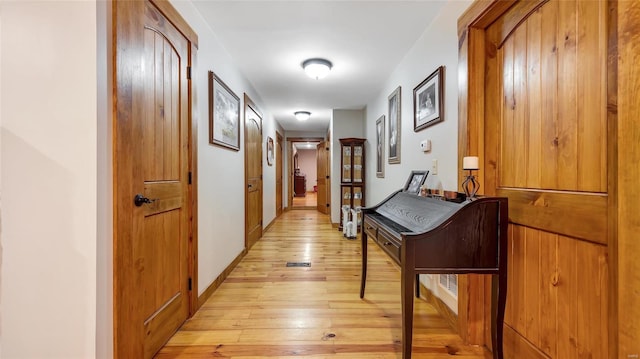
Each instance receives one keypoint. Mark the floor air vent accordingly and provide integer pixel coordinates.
(298, 264)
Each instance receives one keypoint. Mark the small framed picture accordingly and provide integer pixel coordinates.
(428, 101)
(415, 181)
(269, 151)
(394, 126)
(380, 147)
(224, 114)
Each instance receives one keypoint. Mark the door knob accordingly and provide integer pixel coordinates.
(139, 200)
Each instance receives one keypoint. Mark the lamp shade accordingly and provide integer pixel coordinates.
(317, 68)
(302, 115)
(470, 163)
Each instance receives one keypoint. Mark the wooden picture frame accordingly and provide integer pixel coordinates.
(395, 127)
(428, 101)
(224, 114)
(270, 151)
(415, 181)
(380, 147)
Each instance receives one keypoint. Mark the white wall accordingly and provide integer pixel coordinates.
(1, 181)
(48, 179)
(104, 250)
(437, 46)
(308, 162)
(220, 170)
(345, 124)
(269, 129)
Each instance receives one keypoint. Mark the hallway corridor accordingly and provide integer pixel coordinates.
(265, 309)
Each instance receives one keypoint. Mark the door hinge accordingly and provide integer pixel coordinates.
(189, 177)
(190, 283)
(327, 177)
(327, 205)
(188, 72)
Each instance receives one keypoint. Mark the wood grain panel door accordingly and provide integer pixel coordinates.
(253, 172)
(322, 154)
(279, 194)
(152, 201)
(545, 147)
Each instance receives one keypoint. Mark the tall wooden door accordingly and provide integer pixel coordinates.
(253, 172)
(152, 201)
(322, 154)
(279, 194)
(546, 147)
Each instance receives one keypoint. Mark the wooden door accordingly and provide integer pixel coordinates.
(322, 154)
(544, 143)
(279, 194)
(624, 253)
(152, 163)
(253, 172)
(293, 163)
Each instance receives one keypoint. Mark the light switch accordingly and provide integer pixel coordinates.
(434, 167)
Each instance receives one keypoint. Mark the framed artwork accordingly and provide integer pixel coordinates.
(224, 114)
(380, 147)
(428, 101)
(394, 126)
(415, 181)
(269, 151)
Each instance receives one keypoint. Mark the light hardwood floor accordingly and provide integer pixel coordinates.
(309, 200)
(267, 310)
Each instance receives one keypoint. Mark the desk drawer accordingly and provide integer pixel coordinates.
(390, 245)
(370, 228)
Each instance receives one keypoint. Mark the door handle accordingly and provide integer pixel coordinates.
(139, 200)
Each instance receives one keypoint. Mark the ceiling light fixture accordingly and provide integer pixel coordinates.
(302, 115)
(317, 68)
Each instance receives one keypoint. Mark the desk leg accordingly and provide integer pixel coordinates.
(408, 276)
(363, 276)
(498, 302)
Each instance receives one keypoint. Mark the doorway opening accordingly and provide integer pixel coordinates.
(308, 173)
(305, 175)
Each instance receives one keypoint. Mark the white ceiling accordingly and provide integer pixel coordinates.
(365, 41)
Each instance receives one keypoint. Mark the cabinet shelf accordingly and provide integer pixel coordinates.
(352, 176)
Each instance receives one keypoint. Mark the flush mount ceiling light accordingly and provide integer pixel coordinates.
(302, 115)
(317, 68)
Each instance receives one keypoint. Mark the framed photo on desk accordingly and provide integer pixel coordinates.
(415, 181)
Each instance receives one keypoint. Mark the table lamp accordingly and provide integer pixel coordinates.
(470, 184)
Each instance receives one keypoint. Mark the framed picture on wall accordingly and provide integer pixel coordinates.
(269, 151)
(394, 126)
(224, 114)
(380, 147)
(428, 101)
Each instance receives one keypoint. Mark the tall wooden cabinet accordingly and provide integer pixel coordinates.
(299, 185)
(352, 175)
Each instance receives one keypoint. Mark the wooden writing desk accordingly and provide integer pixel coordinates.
(428, 235)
